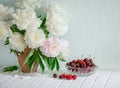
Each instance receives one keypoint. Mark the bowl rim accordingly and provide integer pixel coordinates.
(95, 66)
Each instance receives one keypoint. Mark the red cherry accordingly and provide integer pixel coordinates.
(92, 65)
(85, 59)
(74, 77)
(90, 60)
(73, 70)
(69, 77)
(88, 68)
(69, 68)
(67, 64)
(76, 66)
(73, 61)
(63, 75)
(82, 62)
(55, 75)
(60, 77)
(73, 64)
(88, 63)
(78, 61)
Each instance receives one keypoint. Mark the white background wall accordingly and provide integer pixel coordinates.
(94, 28)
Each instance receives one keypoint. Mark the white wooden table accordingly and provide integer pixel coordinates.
(100, 79)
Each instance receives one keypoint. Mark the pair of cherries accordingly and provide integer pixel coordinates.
(65, 76)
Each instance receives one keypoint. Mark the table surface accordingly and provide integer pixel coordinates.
(100, 79)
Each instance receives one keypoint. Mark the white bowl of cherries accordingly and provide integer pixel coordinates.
(81, 67)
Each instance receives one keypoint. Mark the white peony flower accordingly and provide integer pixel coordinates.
(3, 31)
(26, 19)
(35, 24)
(56, 22)
(28, 3)
(17, 42)
(6, 13)
(64, 49)
(34, 39)
(51, 47)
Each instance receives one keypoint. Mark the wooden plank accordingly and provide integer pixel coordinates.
(22, 83)
(65, 84)
(37, 81)
(101, 79)
(8, 83)
(114, 80)
(45, 83)
(55, 83)
(2, 77)
(78, 82)
(4, 80)
(106, 80)
(89, 80)
(14, 83)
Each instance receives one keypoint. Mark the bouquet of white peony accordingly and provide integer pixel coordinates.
(33, 36)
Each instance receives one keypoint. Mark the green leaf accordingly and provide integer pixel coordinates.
(7, 41)
(57, 64)
(22, 32)
(43, 22)
(31, 61)
(53, 64)
(10, 68)
(44, 27)
(29, 56)
(15, 29)
(46, 60)
(40, 63)
(61, 58)
(39, 17)
(14, 51)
